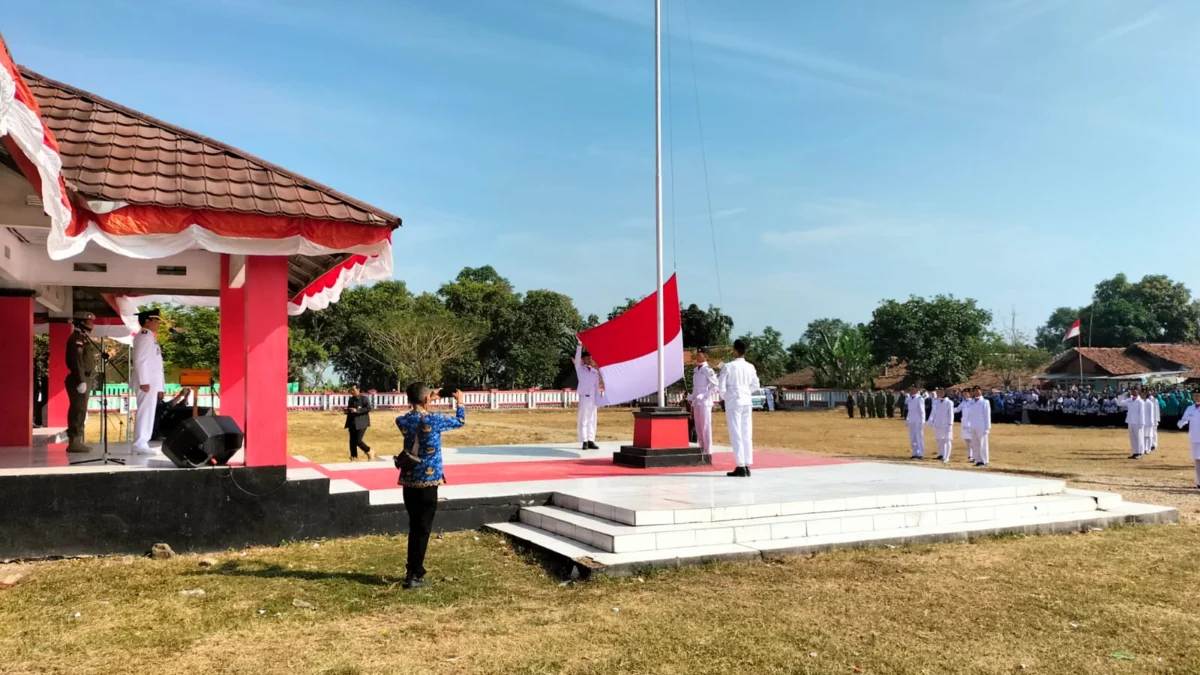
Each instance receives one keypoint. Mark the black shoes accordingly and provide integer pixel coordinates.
(740, 472)
(590, 445)
(1135, 457)
(415, 583)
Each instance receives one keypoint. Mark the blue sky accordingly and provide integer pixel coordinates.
(1013, 151)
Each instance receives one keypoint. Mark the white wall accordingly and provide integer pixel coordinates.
(30, 265)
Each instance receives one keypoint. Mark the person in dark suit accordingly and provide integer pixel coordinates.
(358, 420)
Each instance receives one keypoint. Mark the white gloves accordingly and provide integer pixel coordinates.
(81, 388)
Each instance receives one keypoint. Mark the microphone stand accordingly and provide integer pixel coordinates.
(104, 458)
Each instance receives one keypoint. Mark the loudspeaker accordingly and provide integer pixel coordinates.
(203, 440)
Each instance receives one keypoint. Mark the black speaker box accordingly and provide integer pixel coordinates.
(199, 441)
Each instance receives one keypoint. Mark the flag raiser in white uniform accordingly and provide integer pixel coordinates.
(737, 382)
(704, 392)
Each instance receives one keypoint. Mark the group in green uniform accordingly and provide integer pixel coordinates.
(81, 367)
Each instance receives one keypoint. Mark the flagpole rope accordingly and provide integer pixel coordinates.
(703, 153)
(671, 141)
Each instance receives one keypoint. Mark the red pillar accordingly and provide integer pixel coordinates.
(16, 362)
(233, 348)
(57, 402)
(266, 298)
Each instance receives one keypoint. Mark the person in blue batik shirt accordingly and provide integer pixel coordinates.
(422, 432)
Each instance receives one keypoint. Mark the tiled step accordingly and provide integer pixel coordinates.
(605, 562)
(615, 537)
(641, 517)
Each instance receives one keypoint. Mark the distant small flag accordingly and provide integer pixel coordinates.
(1074, 332)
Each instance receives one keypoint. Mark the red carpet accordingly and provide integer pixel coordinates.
(382, 477)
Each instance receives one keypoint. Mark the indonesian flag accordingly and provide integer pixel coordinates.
(31, 143)
(625, 351)
(1074, 332)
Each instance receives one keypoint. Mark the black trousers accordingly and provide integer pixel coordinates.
(356, 441)
(421, 504)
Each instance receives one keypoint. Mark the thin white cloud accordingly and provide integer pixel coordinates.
(1124, 29)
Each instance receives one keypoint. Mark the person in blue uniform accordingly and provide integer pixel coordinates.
(422, 431)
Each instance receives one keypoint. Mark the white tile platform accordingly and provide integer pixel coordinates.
(491, 454)
(618, 524)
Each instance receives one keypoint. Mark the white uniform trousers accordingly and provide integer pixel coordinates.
(143, 422)
(586, 420)
(1151, 437)
(1137, 438)
(916, 438)
(943, 437)
(979, 439)
(702, 415)
(741, 433)
(970, 443)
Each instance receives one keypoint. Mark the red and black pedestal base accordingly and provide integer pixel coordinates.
(660, 439)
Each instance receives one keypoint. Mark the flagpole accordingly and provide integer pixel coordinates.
(658, 215)
(1079, 351)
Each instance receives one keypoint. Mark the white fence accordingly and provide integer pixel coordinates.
(481, 400)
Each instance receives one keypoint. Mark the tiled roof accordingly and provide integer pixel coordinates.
(114, 153)
(1112, 360)
(1187, 356)
(801, 379)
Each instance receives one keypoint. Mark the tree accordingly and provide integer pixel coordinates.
(1050, 336)
(196, 345)
(1007, 353)
(621, 309)
(839, 355)
(940, 341)
(819, 328)
(307, 360)
(341, 331)
(704, 328)
(767, 353)
(480, 296)
(417, 345)
(542, 338)
(1154, 309)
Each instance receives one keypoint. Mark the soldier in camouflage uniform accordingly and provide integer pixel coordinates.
(861, 399)
(870, 404)
(879, 404)
(81, 367)
(890, 403)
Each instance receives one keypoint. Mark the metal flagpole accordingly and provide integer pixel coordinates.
(1079, 351)
(658, 215)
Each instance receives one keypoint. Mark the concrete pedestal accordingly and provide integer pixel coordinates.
(660, 439)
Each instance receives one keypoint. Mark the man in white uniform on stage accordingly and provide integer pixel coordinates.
(941, 418)
(914, 417)
(981, 427)
(1136, 421)
(146, 379)
(704, 392)
(589, 397)
(737, 382)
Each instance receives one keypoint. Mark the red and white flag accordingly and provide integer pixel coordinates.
(626, 352)
(1074, 332)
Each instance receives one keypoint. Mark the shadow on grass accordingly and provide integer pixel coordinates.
(236, 568)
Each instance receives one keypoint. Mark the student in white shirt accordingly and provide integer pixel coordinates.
(737, 382)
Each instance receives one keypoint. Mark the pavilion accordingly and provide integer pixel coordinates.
(103, 208)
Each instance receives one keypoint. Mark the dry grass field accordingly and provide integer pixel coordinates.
(1118, 601)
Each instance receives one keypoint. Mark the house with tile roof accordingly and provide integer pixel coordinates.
(1144, 362)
